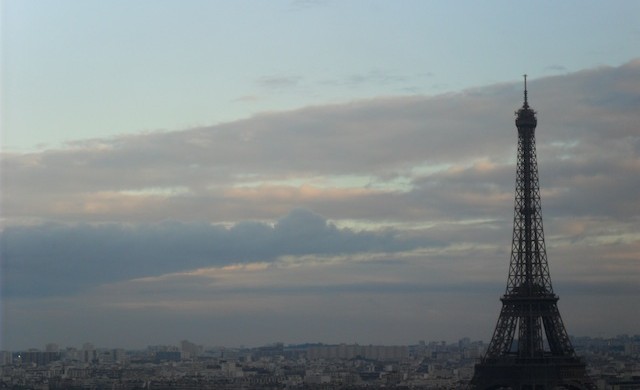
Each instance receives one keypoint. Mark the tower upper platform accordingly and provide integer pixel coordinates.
(526, 116)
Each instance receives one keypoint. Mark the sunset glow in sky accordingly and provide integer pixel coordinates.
(309, 171)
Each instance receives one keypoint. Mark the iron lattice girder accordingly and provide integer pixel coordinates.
(529, 306)
(532, 314)
(546, 373)
(530, 347)
(528, 252)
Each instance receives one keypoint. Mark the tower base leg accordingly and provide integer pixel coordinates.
(544, 375)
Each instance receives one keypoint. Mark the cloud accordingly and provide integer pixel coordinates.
(557, 68)
(399, 146)
(247, 99)
(373, 76)
(412, 207)
(50, 259)
(279, 82)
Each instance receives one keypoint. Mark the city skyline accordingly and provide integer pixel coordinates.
(379, 212)
(427, 365)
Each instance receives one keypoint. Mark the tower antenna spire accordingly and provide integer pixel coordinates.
(526, 103)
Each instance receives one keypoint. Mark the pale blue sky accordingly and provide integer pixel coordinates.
(85, 69)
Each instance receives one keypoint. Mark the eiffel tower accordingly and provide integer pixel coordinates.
(530, 348)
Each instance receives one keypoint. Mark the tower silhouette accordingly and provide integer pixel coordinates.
(530, 347)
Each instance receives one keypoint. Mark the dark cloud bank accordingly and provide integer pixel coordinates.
(53, 259)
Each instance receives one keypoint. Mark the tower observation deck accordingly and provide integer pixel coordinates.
(530, 347)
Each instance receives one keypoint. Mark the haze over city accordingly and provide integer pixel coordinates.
(240, 173)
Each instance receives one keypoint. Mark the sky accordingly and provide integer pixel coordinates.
(241, 173)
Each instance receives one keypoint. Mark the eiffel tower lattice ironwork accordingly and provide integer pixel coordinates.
(530, 347)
